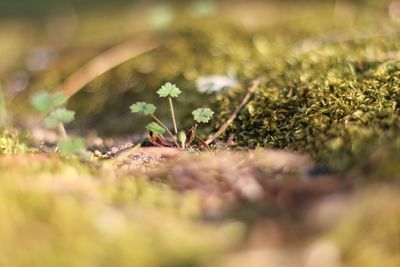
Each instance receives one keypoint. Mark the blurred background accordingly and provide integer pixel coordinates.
(106, 55)
(44, 42)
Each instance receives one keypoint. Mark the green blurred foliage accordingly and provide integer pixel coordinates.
(382, 164)
(89, 217)
(368, 234)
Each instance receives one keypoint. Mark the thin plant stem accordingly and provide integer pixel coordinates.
(245, 100)
(62, 131)
(165, 127)
(171, 107)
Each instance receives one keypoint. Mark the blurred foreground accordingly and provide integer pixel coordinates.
(307, 175)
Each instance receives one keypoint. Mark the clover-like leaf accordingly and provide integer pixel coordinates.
(144, 107)
(169, 90)
(60, 115)
(71, 146)
(43, 102)
(202, 115)
(155, 128)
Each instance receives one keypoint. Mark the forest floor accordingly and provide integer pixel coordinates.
(305, 175)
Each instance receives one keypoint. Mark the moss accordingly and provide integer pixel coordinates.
(336, 103)
(58, 212)
(11, 144)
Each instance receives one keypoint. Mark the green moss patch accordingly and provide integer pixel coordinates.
(336, 103)
(11, 143)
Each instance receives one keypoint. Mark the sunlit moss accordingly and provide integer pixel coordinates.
(336, 103)
(11, 144)
(60, 213)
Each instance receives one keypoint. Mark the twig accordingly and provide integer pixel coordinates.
(204, 143)
(106, 61)
(245, 100)
(125, 154)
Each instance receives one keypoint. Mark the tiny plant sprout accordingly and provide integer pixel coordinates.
(170, 90)
(182, 139)
(57, 116)
(158, 128)
(149, 109)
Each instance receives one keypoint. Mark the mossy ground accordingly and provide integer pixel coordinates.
(60, 212)
(11, 144)
(330, 89)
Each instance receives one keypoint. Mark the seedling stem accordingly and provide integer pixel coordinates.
(171, 106)
(62, 131)
(164, 126)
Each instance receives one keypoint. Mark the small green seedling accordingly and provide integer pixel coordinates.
(158, 128)
(182, 139)
(45, 103)
(170, 90)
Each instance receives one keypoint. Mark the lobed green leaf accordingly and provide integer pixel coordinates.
(155, 128)
(43, 102)
(143, 107)
(60, 115)
(202, 115)
(169, 90)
